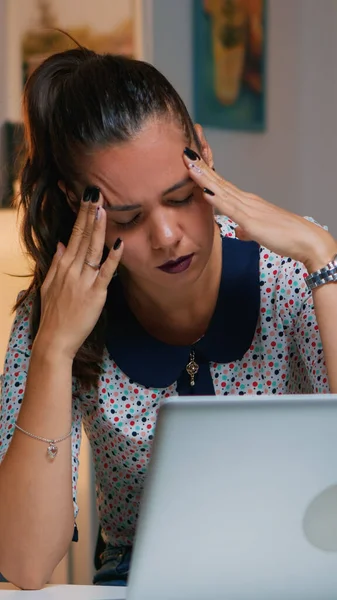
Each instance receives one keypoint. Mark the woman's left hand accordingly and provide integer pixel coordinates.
(277, 229)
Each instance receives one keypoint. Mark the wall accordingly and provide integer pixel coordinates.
(22, 15)
(318, 111)
(3, 72)
(294, 162)
(12, 262)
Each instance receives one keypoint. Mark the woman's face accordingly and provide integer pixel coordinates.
(154, 206)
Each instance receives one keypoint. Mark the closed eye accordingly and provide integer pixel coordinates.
(184, 201)
(135, 220)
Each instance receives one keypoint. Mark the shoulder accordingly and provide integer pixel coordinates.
(227, 226)
(21, 323)
(20, 341)
(282, 279)
(271, 263)
(25, 305)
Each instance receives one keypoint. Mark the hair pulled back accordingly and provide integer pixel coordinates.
(78, 101)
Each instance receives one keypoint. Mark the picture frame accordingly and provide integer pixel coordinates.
(229, 42)
(34, 32)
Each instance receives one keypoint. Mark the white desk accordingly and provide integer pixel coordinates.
(64, 592)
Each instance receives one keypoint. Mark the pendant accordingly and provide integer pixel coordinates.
(192, 368)
(52, 451)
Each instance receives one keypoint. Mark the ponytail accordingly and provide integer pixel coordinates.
(75, 102)
(47, 215)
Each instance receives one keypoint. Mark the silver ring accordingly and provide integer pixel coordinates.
(92, 265)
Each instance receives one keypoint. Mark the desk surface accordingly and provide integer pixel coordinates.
(64, 592)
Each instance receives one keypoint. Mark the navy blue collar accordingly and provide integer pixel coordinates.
(154, 364)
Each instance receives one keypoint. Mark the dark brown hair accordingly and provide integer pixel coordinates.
(74, 102)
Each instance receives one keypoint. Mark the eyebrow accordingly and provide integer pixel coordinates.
(177, 185)
(122, 207)
(126, 207)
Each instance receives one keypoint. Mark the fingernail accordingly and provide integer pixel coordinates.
(191, 154)
(213, 168)
(209, 192)
(59, 249)
(98, 213)
(117, 244)
(91, 193)
(195, 168)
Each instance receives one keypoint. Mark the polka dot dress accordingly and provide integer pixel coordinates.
(119, 417)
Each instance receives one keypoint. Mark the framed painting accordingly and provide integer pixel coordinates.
(37, 28)
(230, 63)
(103, 26)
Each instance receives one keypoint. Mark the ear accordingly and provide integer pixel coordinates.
(71, 196)
(205, 147)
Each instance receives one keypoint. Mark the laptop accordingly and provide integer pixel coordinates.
(240, 501)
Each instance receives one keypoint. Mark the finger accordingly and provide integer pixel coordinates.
(60, 250)
(110, 265)
(94, 251)
(200, 172)
(78, 230)
(92, 242)
(194, 161)
(222, 195)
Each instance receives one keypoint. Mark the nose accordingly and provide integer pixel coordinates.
(165, 231)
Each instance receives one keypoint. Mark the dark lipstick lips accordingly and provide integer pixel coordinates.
(172, 263)
(179, 265)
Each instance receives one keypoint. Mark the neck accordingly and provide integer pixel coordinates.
(182, 313)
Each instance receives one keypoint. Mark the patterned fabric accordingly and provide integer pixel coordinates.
(285, 356)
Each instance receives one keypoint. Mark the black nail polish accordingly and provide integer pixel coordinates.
(91, 193)
(213, 168)
(191, 154)
(209, 192)
(117, 244)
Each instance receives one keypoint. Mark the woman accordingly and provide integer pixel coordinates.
(118, 181)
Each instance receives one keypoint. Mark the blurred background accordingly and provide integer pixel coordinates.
(291, 160)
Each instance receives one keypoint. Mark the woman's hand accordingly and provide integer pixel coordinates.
(74, 293)
(277, 229)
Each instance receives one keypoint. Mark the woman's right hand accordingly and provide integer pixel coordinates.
(73, 294)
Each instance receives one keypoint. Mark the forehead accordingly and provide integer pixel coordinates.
(142, 167)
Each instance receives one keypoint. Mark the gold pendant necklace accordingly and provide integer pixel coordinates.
(192, 368)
